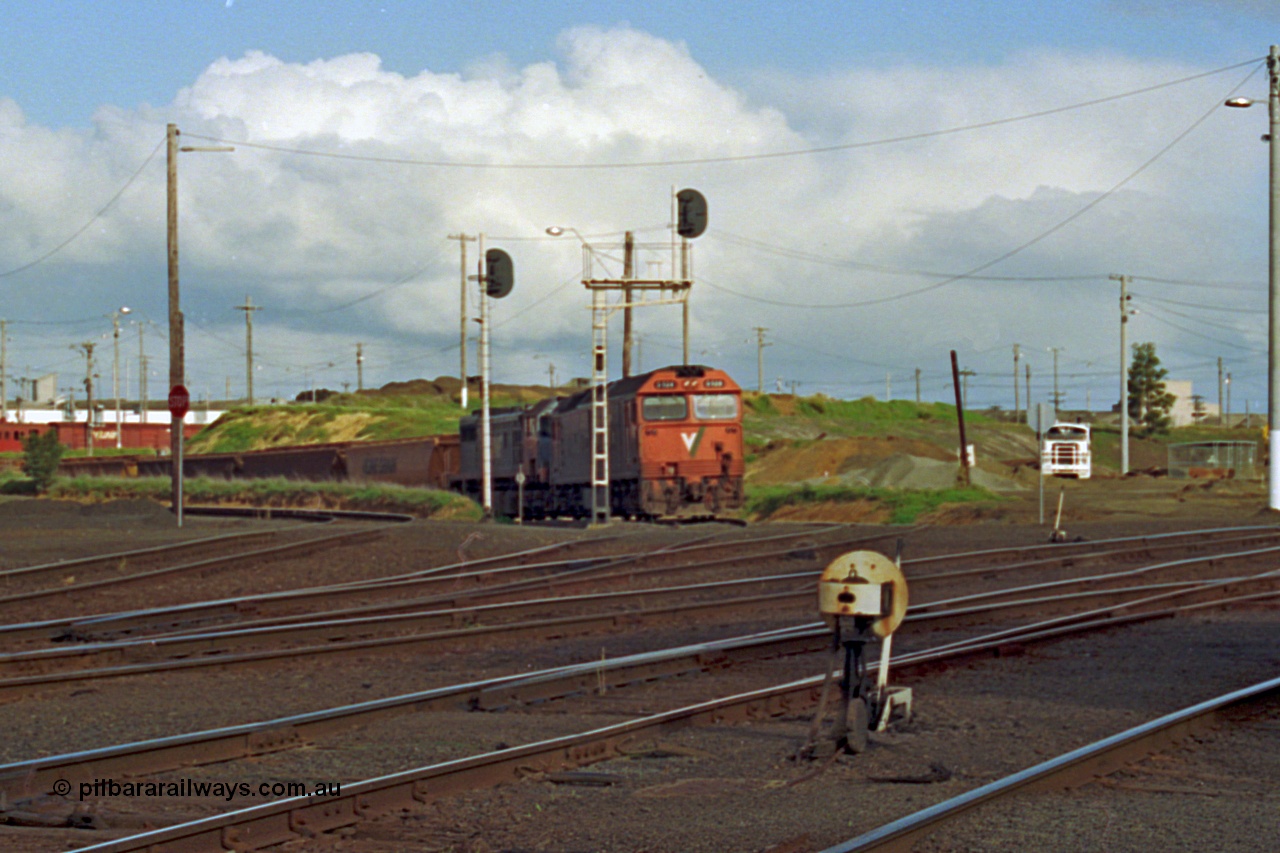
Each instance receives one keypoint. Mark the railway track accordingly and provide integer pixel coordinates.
(453, 586)
(374, 628)
(267, 825)
(503, 692)
(1135, 599)
(1070, 770)
(449, 585)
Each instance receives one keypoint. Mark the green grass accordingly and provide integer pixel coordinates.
(385, 417)
(765, 418)
(904, 506)
(273, 492)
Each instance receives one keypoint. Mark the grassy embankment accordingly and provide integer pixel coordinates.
(902, 506)
(773, 424)
(778, 423)
(417, 409)
(274, 492)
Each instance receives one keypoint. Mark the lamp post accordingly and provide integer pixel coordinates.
(1273, 276)
(1125, 312)
(115, 366)
(177, 350)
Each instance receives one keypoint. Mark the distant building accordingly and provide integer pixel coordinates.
(1186, 409)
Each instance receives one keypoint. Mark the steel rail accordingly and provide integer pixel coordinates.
(214, 648)
(25, 778)
(231, 743)
(106, 625)
(267, 825)
(1076, 559)
(1099, 580)
(63, 628)
(321, 515)
(337, 625)
(1061, 547)
(549, 628)
(115, 557)
(72, 591)
(330, 629)
(112, 626)
(1068, 770)
(562, 575)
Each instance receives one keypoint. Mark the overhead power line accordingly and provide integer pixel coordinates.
(738, 158)
(1090, 205)
(83, 228)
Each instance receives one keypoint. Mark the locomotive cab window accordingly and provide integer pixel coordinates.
(715, 407)
(665, 407)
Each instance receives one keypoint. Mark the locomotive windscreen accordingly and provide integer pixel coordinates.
(665, 407)
(715, 407)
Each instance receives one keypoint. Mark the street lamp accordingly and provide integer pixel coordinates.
(1273, 276)
(115, 366)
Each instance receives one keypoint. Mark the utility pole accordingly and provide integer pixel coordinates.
(87, 347)
(1028, 367)
(760, 345)
(1124, 371)
(248, 308)
(462, 326)
(551, 377)
(1221, 411)
(1017, 404)
(964, 440)
(964, 379)
(359, 367)
(4, 375)
(177, 366)
(486, 439)
(177, 349)
(628, 273)
(888, 386)
(115, 368)
(1057, 395)
(917, 386)
(142, 379)
(1227, 421)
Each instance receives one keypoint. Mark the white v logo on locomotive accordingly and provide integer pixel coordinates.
(688, 438)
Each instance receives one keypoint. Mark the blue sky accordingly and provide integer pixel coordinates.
(65, 59)
(340, 252)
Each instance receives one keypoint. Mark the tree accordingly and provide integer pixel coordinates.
(41, 454)
(1149, 401)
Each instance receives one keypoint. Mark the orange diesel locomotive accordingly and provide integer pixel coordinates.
(675, 449)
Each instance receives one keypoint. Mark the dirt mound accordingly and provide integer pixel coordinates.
(833, 457)
(903, 471)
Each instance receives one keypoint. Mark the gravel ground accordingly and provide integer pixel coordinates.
(704, 789)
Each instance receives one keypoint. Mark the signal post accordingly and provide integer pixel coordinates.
(690, 222)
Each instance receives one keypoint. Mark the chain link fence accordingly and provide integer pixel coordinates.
(1224, 459)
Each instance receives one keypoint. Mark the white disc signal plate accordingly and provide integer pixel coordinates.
(876, 568)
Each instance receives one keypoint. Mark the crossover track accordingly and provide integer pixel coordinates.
(26, 778)
(393, 630)
(275, 823)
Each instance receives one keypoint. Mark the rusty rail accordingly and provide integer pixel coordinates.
(1068, 770)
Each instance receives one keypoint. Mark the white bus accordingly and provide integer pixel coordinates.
(1065, 451)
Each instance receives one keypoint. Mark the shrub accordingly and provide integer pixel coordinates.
(41, 454)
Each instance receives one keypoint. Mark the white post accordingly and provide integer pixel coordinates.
(486, 447)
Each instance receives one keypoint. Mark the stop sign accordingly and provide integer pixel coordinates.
(179, 401)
